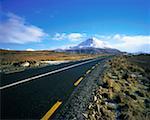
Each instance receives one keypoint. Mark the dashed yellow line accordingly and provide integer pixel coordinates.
(78, 81)
(88, 71)
(58, 103)
(93, 67)
(52, 110)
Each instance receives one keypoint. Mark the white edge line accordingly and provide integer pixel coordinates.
(45, 74)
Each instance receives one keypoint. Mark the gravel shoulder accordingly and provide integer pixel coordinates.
(77, 104)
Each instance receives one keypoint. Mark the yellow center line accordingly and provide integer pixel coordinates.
(52, 110)
(78, 81)
(88, 71)
(93, 67)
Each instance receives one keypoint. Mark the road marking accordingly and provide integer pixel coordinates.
(93, 67)
(45, 74)
(78, 81)
(52, 110)
(88, 71)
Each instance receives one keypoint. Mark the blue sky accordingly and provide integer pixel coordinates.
(50, 24)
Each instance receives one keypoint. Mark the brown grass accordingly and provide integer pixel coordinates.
(124, 91)
(8, 57)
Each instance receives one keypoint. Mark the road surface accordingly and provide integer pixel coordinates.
(34, 93)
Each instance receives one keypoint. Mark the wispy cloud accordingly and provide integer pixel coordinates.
(66, 46)
(73, 37)
(59, 36)
(15, 30)
(76, 36)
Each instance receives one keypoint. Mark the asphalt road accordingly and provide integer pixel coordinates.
(41, 89)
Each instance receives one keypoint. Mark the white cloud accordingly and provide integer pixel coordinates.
(71, 36)
(66, 46)
(128, 43)
(29, 49)
(59, 36)
(16, 30)
(117, 37)
(133, 43)
(76, 36)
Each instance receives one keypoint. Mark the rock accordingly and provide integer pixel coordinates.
(85, 115)
(90, 106)
(92, 117)
(95, 98)
(106, 103)
(109, 74)
(114, 77)
(133, 75)
(37, 64)
(140, 76)
(98, 109)
(100, 97)
(111, 106)
(25, 64)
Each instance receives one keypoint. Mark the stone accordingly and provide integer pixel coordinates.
(90, 106)
(85, 115)
(92, 117)
(37, 64)
(111, 105)
(140, 76)
(133, 75)
(95, 98)
(114, 77)
(25, 64)
(98, 108)
(100, 97)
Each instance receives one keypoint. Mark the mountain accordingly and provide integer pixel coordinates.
(92, 43)
(92, 46)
